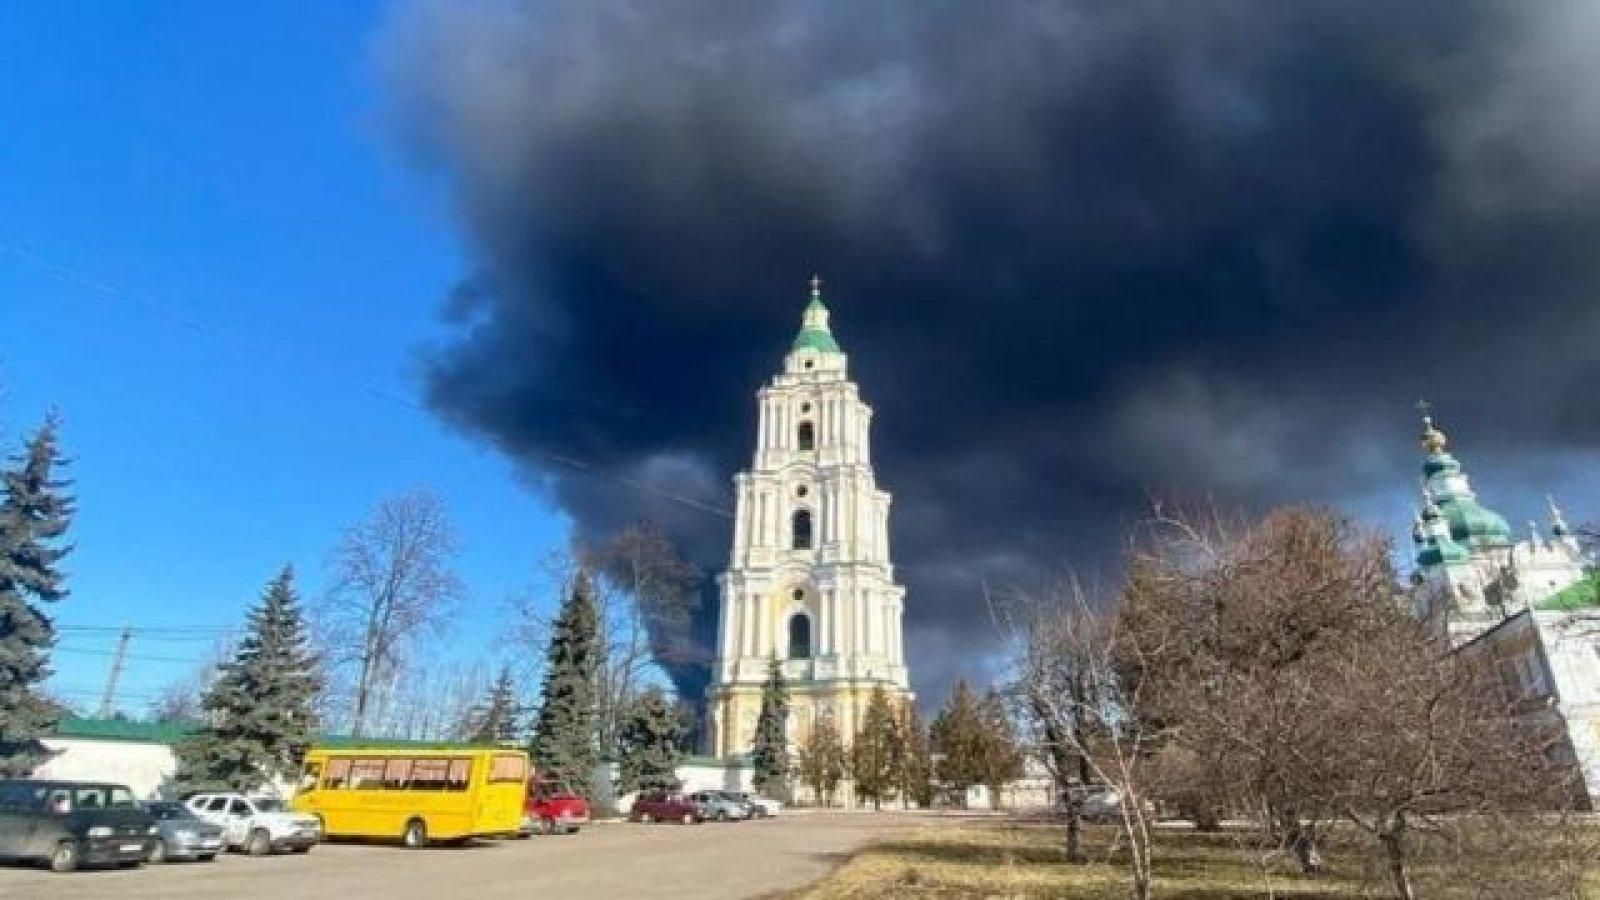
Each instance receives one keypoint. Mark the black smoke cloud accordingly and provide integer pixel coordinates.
(1079, 252)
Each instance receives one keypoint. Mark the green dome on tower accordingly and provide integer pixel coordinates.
(814, 333)
(1472, 525)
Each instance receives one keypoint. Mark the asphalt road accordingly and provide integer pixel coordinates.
(737, 860)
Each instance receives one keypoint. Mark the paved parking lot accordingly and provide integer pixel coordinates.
(607, 860)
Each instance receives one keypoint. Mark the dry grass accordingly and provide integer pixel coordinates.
(1020, 860)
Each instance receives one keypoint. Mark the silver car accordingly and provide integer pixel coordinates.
(182, 835)
(716, 806)
(760, 807)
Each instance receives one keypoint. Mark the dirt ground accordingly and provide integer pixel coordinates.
(606, 860)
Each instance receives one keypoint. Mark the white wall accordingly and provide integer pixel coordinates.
(139, 765)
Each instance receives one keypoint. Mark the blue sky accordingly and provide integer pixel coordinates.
(216, 265)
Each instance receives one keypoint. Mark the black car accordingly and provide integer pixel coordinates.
(69, 824)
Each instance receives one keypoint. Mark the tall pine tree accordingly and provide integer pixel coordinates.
(650, 744)
(916, 772)
(769, 752)
(876, 752)
(1000, 758)
(564, 738)
(34, 515)
(823, 761)
(259, 710)
(957, 736)
(495, 722)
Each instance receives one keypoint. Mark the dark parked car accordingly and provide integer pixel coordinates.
(661, 807)
(182, 834)
(73, 823)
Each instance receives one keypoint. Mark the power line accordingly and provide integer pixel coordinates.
(137, 657)
(69, 275)
(167, 633)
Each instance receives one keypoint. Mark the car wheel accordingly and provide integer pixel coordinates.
(259, 843)
(722, 815)
(547, 827)
(688, 818)
(303, 850)
(65, 857)
(207, 857)
(158, 853)
(646, 818)
(416, 834)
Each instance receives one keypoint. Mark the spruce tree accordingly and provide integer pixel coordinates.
(495, 722)
(34, 515)
(650, 744)
(564, 739)
(916, 773)
(260, 708)
(875, 753)
(957, 736)
(999, 757)
(823, 760)
(769, 752)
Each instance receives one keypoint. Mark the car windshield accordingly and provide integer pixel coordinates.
(167, 812)
(267, 804)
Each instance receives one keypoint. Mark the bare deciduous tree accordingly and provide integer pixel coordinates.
(1236, 615)
(1084, 678)
(393, 581)
(1047, 670)
(648, 594)
(1279, 654)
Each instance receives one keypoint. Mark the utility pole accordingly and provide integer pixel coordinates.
(110, 696)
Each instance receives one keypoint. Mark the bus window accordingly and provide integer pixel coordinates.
(429, 774)
(338, 774)
(460, 774)
(508, 768)
(396, 773)
(366, 774)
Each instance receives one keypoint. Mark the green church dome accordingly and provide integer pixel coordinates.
(814, 333)
(815, 339)
(1434, 555)
(1473, 524)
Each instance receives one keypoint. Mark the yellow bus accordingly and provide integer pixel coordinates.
(416, 794)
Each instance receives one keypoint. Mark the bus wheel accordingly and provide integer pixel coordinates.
(416, 834)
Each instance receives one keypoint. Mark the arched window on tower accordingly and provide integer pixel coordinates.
(800, 529)
(799, 636)
(807, 436)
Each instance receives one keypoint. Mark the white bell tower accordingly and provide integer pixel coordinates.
(809, 581)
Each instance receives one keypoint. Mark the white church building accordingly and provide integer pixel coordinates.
(1529, 608)
(809, 580)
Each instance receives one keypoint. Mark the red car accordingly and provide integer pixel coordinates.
(553, 807)
(661, 807)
